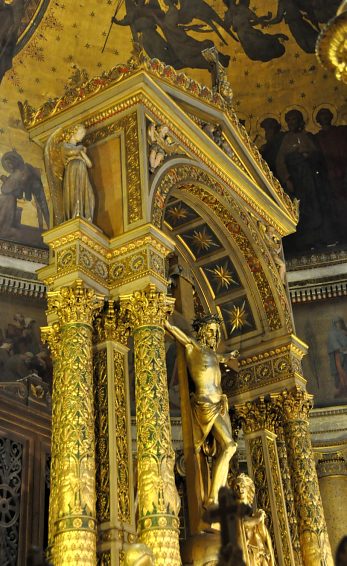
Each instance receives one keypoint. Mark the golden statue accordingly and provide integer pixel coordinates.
(209, 404)
(138, 554)
(67, 165)
(254, 537)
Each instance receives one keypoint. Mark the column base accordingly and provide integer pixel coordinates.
(162, 537)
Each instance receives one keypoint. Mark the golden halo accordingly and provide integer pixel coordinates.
(330, 107)
(301, 109)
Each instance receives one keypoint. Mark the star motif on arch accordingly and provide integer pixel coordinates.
(238, 317)
(202, 240)
(178, 212)
(223, 276)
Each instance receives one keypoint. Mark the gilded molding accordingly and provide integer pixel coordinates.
(20, 251)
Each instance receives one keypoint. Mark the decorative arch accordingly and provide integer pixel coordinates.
(189, 181)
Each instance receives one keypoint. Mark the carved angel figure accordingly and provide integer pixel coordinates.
(254, 537)
(160, 145)
(67, 165)
(275, 247)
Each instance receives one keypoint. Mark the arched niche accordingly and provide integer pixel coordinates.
(219, 238)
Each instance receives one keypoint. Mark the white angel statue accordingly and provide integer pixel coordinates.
(67, 165)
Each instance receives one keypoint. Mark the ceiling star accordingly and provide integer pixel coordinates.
(178, 212)
(238, 317)
(223, 276)
(202, 240)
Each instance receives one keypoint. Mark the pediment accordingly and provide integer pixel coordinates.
(190, 111)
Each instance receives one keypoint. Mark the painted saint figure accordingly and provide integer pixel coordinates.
(337, 350)
(209, 404)
(254, 537)
(78, 194)
(23, 181)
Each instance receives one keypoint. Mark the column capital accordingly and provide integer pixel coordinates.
(75, 303)
(259, 414)
(148, 307)
(295, 404)
(108, 325)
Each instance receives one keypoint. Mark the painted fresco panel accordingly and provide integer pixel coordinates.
(21, 348)
(323, 326)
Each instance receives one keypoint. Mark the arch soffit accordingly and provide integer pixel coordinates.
(187, 178)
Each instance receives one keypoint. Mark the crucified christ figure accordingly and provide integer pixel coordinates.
(209, 404)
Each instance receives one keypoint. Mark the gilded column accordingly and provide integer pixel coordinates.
(159, 501)
(315, 546)
(288, 494)
(115, 489)
(258, 418)
(72, 522)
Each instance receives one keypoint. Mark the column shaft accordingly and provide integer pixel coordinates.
(115, 501)
(315, 546)
(258, 419)
(158, 498)
(288, 495)
(72, 506)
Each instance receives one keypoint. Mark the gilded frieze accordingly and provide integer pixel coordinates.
(269, 367)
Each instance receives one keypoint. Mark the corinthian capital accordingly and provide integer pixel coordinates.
(74, 304)
(146, 308)
(295, 404)
(259, 414)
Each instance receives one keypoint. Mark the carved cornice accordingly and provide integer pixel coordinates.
(30, 390)
(271, 366)
(22, 287)
(332, 465)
